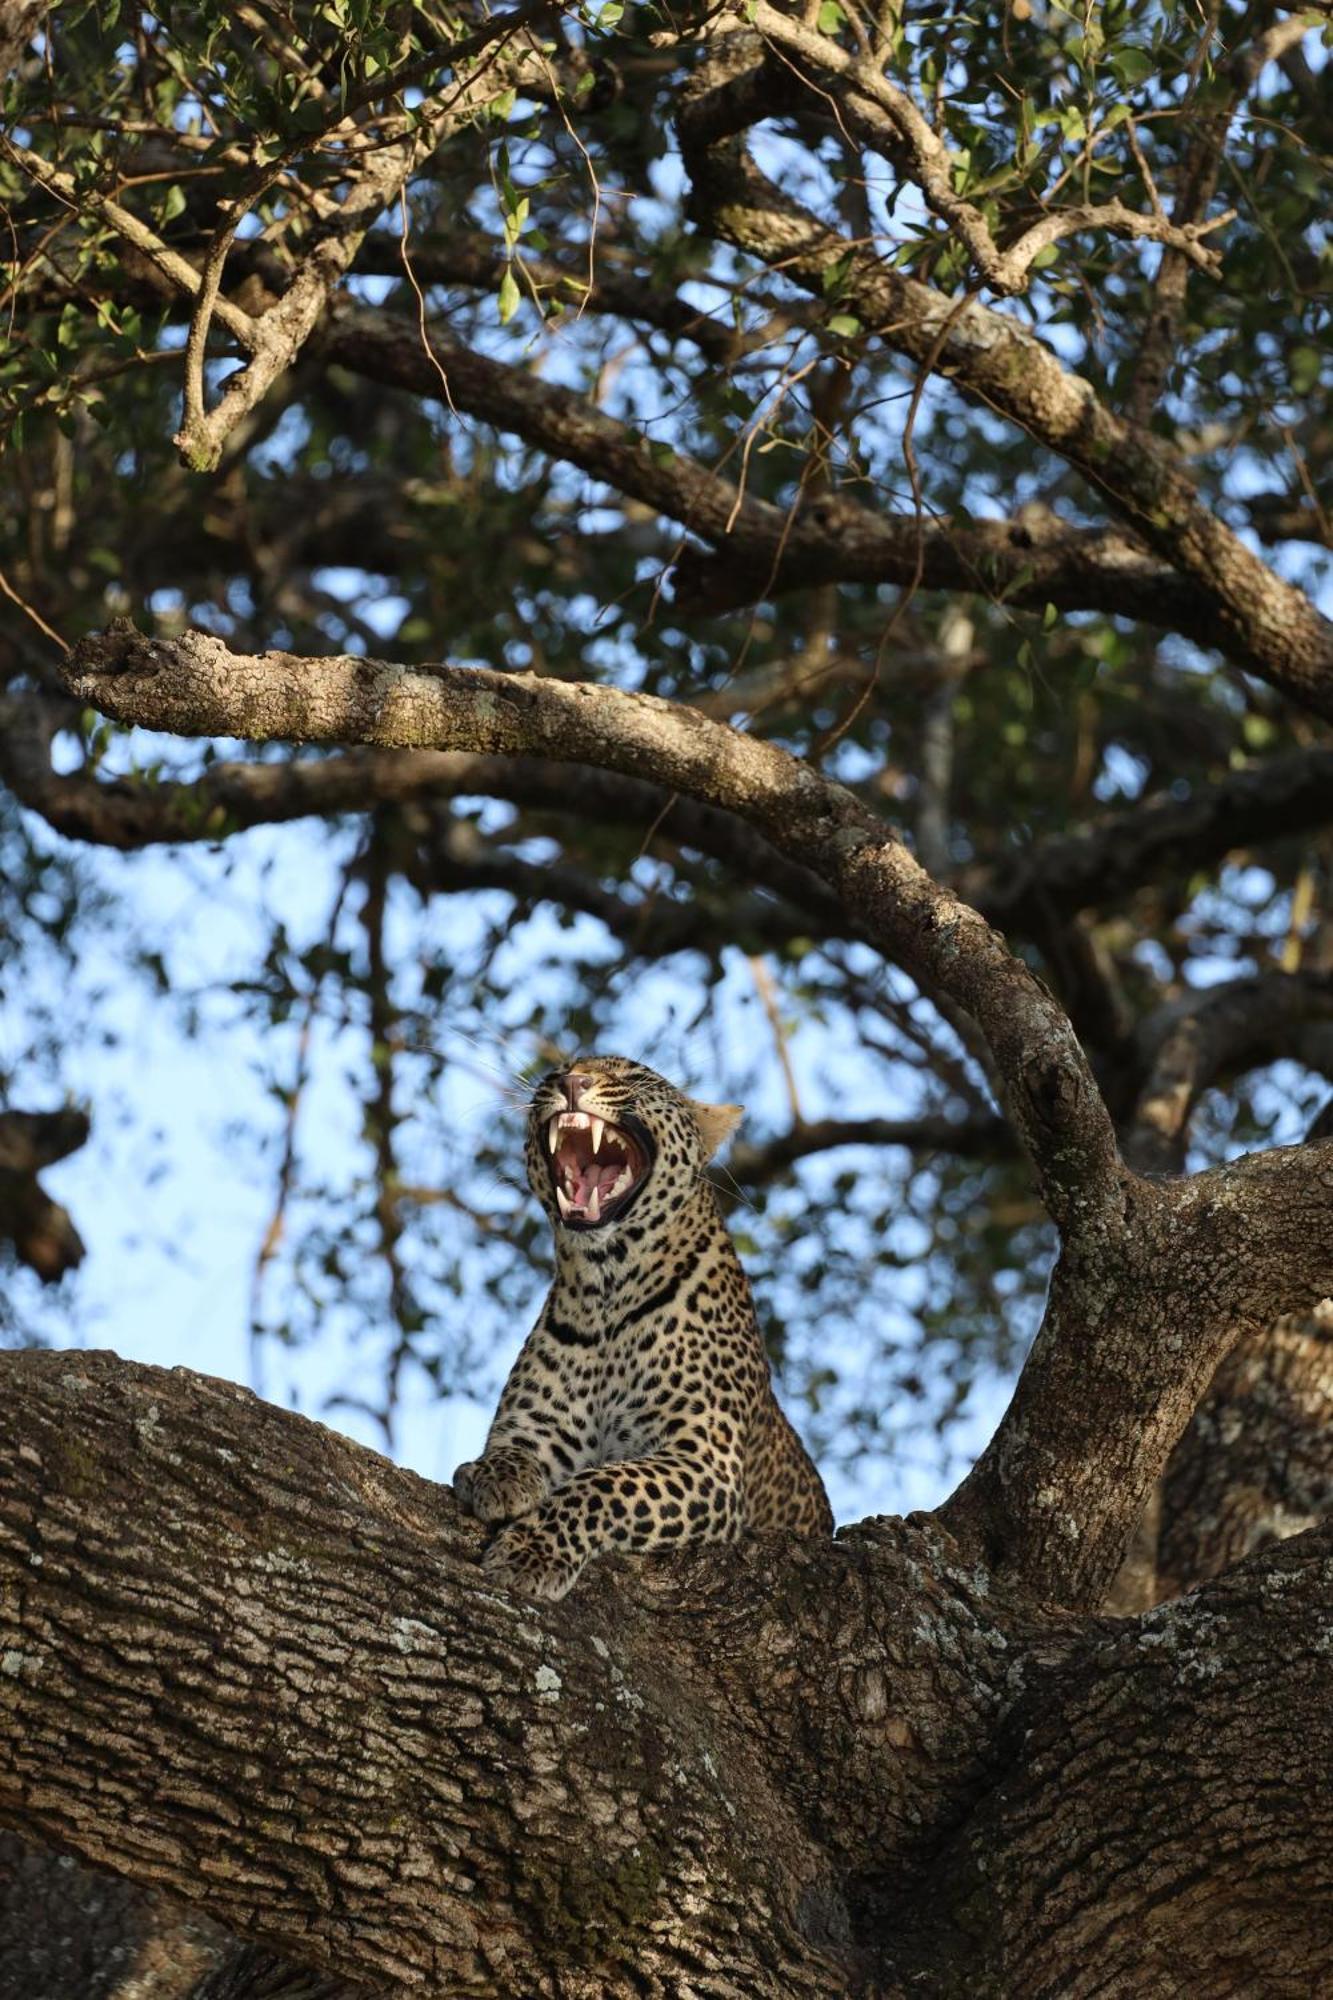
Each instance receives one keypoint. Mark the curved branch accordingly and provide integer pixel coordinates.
(298, 1707)
(1054, 878)
(195, 686)
(130, 813)
(762, 548)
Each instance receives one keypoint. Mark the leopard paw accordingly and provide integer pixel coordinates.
(497, 1489)
(525, 1558)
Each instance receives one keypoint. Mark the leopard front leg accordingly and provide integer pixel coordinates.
(664, 1501)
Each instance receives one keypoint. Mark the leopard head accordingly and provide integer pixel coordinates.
(610, 1141)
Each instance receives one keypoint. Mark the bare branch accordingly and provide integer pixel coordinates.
(41, 1231)
(764, 548)
(1188, 1043)
(178, 271)
(975, 1138)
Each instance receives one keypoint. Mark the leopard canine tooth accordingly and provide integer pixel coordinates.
(553, 1132)
(593, 1211)
(565, 1203)
(598, 1127)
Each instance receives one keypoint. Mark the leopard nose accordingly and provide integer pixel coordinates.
(574, 1082)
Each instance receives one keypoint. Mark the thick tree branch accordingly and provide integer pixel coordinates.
(299, 1709)
(129, 813)
(194, 686)
(1204, 1723)
(1135, 1329)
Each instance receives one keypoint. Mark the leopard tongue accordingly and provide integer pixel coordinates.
(599, 1181)
(594, 1182)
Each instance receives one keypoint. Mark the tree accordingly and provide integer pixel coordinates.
(878, 458)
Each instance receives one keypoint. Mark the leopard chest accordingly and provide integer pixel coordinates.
(646, 1374)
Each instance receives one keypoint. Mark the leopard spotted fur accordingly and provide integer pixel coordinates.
(639, 1414)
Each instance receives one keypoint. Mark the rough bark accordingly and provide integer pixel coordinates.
(1256, 1464)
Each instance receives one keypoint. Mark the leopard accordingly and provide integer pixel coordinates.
(640, 1414)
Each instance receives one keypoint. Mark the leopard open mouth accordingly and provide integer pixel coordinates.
(597, 1167)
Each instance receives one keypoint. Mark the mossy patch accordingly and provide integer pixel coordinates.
(592, 1908)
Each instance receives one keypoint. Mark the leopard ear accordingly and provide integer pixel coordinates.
(717, 1122)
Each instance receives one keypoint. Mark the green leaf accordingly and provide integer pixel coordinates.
(514, 221)
(509, 296)
(834, 275)
(831, 17)
(1304, 367)
(1132, 66)
(845, 325)
(174, 204)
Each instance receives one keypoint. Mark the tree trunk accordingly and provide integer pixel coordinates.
(253, 1667)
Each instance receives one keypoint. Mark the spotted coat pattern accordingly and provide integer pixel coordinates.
(639, 1414)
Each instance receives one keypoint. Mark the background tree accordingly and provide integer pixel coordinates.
(877, 460)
